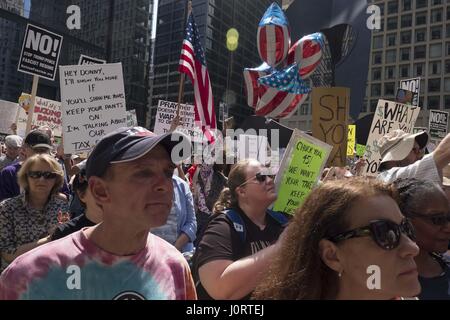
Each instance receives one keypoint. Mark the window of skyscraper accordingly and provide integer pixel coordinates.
(436, 2)
(373, 105)
(448, 13)
(418, 69)
(421, 35)
(436, 50)
(405, 37)
(392, 23)
(421, 4)
(447, 31)
(447, 66)
(391, 39)
(434, 68)
(434, 85)
(376, 74)
(420, 52)
(436, 15)
(389, 89)
(404, 71)
(389, 73)
(406, 5)
(392, 7)
(406, 21)
(376, 90)
(436, 33)
(377, 57)
(405, 54)
(434, 102)
(391, 56)
(378, 42)
(421, 18)
(446, 102)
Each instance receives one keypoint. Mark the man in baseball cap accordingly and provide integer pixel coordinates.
(129, 174)
(403, 157)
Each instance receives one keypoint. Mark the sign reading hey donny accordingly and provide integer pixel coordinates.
(46, 113)
(438, 124)
(84, 60)
(300, 169)
(329, 121)
(93, 103)
(40, 52)
(389, 116)
(8, 113)
(167, 111)
(414, 86)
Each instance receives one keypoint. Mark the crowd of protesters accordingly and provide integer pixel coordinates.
(130, 222)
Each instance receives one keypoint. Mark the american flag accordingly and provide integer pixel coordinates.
(193, 63)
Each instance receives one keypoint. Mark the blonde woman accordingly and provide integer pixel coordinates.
(27, 220)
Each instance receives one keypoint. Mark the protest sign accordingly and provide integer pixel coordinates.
(412, 85)
(329, 121)
(84, 60)
(40, 52)
(389, 116)
(131, 118)
(300, 169)
(253, 147)
(438, 124)
(167, 111)
(46, 113)
(93, 103)
(419, 129)
(351, 140)
(360, 149)
(8, 113)
(404, 96)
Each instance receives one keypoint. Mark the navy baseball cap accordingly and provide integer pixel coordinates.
(128, 144)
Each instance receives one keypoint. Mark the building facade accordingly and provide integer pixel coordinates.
(414, 41)
(214, 18)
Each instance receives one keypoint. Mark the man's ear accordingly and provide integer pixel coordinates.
(329, 253)
(99, 190)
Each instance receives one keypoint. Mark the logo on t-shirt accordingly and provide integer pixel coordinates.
(129, 295)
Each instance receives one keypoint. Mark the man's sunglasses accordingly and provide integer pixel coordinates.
(260, 177)
(438, 219)
(385, 233)
(45, 174)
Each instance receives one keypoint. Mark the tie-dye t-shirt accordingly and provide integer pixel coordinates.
(75, 268)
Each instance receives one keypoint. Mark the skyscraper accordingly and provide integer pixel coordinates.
(214, 18)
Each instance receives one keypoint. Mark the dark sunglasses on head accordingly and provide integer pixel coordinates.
(385, 233)
(438, 219)
(45, 174)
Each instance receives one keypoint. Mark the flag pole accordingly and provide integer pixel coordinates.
(182, 75)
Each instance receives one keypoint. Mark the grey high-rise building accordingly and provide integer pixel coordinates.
(213, 18)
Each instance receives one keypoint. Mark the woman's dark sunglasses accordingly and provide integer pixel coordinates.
(385, 233)
(45, 174)
(260, 177)
(438, 219)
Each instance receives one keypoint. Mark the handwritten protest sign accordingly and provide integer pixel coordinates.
(253, 147)
(90, 60)
(330, 108)
(8, 112)
(93, 103)
(351, 140)
(46, 113)
(438, 124)
(389, 116)
(302, 163)
(414, 86)
(40, 52)
(167, 111)
(131, 118)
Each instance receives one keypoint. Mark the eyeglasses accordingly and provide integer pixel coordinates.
(385, 233)
(260, 177)
(438, 219)
(47, 175)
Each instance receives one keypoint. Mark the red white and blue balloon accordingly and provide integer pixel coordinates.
(252, 86)
(307, 52)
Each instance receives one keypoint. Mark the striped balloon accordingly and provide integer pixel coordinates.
(307, 52)
(252, 86)
(273, 43)
(278, 104)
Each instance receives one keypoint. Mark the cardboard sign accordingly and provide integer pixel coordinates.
(438, 124)
(329, 121)
(40, 52)
(8, 113)
(412, 85)
(84, 60)
(167, 111)
(351, 140)
(131, 118)
(46, 113)
(389, 116)
(300, 169)
(93, 103)
(253, 147)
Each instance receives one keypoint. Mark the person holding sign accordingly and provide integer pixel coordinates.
(129, 175)
(402, 154)
(240, 240)
(347, 241)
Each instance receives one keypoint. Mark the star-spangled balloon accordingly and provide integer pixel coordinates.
(287, 80)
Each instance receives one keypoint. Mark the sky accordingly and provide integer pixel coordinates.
(27, 8)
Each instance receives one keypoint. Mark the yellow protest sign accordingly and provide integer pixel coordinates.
(351, 140)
